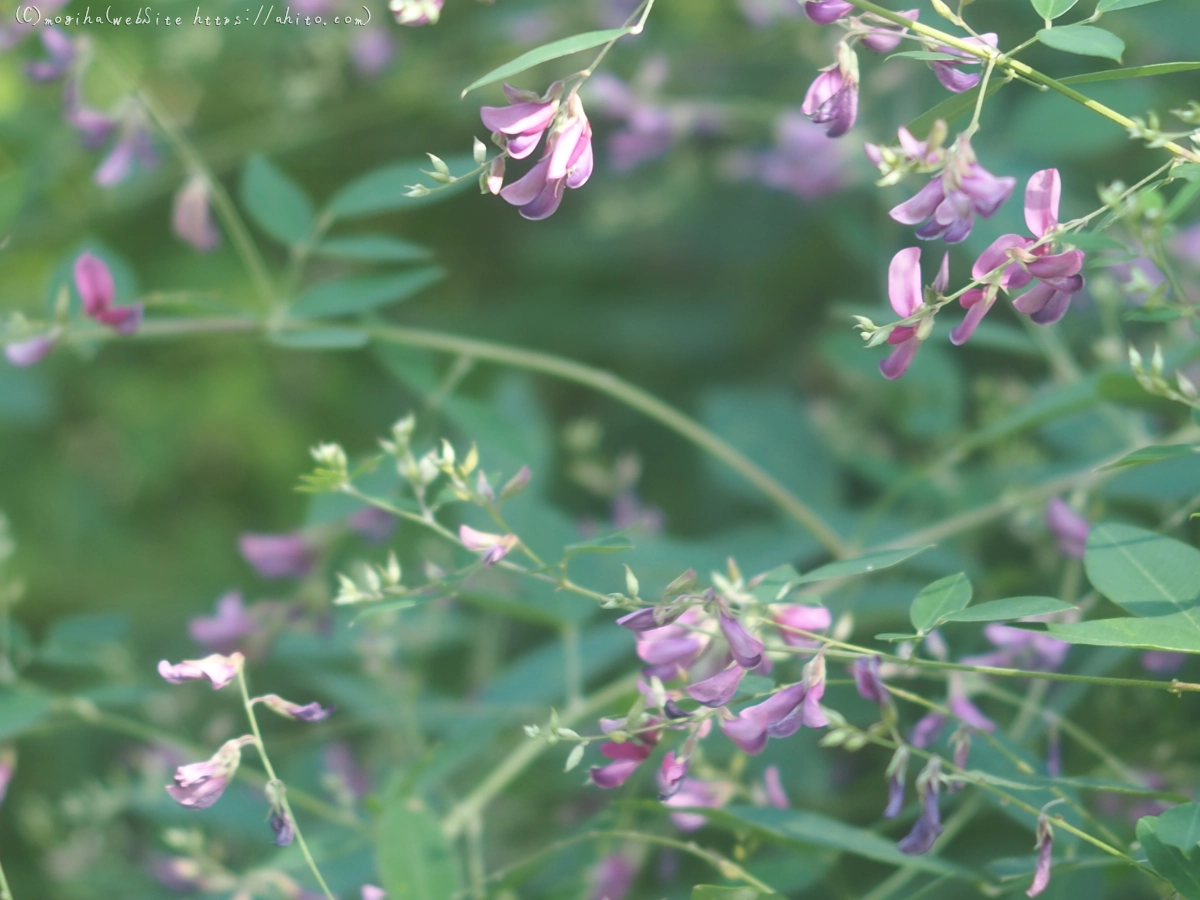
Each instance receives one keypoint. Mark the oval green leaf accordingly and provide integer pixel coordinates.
(1183, 872)
(1009, 609)
(1145, 573)
(871, 562)
(349, 296)
(547, 52)
(1083, 40)
(1153, 454)
(276, 203)
(414, 859)
(1132, 72)
(1052, 9)
(936, 601)
(1180, 826)
(372, 248)
(1177, 633)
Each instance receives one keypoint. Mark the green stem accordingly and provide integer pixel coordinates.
(273, 778)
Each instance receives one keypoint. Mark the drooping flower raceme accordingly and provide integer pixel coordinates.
(97, 291)
(1014, 261)
(832, 99)
(567, 162)
(907, 297)
(949, 203)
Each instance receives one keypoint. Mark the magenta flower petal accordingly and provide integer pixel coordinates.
(1041, 201)
(746, 649)
(614, 774)
(1034, 299)
(897, 362)
(926, 731)
(748, 732)
(95, 284)
(868, 682)
(519, 118)
(526, 189)
(520, 146)
(671, 775)
(977, 305)
(718, 689)
(904, 281)
(773, 786)
(825, 12)
(921, 205)
(996, 255)
(1056, 307)
(1058, 265)
(218, 669)
(1070, 528)
(927, 827)
(223, 632)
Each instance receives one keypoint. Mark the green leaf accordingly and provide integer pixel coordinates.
(1180, 827)
(1132, 72)
(1176, 632)
(413, 857)
(276, 203)
(951, 109)
(547, 52)
(894, 636)
(1152, 454)
(383, 190)
(20, 710)
(799, 826)
(713, 892)
(1144, 573)
(1183, 872)
(1113, 5)
(609, 543)
(936, 601)
(348, 296)
(871, 562)
(320, 339)
(372, 248)
(1083, 40)
(1011, 608)
(1052, 9)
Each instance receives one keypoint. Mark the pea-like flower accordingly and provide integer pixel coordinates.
(60, 53)
(880, 35)
(669, 649)
(950, 71)
(567, 163)
(801, 618)
(670, 775)
(225, 631)
(832, 99)
(773, 788)
(218, 669)
(746, 649)
(307, 712)
(626, 757)
(826, 12)
(868, 682)
(771, 718)
(97, 291)
(697, 793)
(1045, 848)
(949, 203)
(494, 547)
(371, 892)
(929, 824)
(907, 297)
(718, 689)
(522, 123)
(414, 13)
(30, 351)
(897, 774)
(200, 785)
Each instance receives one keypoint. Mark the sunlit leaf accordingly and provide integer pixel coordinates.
(1083, 40)
(547, 52)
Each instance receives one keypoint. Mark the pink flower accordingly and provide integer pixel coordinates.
(907, 297)
(825, 12)
(1068, 527)
(669, 649)
(882, 36)
(671, 775)
(773, 785)
(802, 618)
(929, 825)
(746, 649)
(133, 146)
(626, 758)
(218, 669)
(224, 632)
(29, 351)
(1013, 261)
(1045, 846)
(494, 547)
(1162, 662)
(96, 289)
(566, 162)
(868, 682)
(373, 524)
(718, 689)
(832, 99)
(949, 72)
(927, 729)
(372, 52)
(780, 715)
(200, 785)
(308, 712)
(60, 51)
(415, 13)
(191, 217)
(278, 555)
(803, 160)
(613, 879)
(370, 892)
(694, 792)
(523, 122)
(962, 708)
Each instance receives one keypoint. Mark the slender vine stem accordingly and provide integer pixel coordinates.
(274, 779)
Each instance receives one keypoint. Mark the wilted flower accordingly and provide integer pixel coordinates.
(1068, 527)
(1013, 261)
(97, 290)
(773, 787)
(780, 715)
(218, 669)
(929, 824)
(308, 712)
(60, 52)
(8, 765)
(29, 351)
(225, 631)
(801, 618)
(283, 826)
(746, 649)
(494, 547)
(567, 161)
(949, 71)
(278, 555)
(832, 99)
(718, 689)
(191, 216)
(200, 785)
(866, 679)
(414, 13)
(907, 296)
(1045, 846)
(523, 122)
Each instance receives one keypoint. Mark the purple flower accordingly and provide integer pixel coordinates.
(494, 547)
(671, 775)
(746, 649)
(415, 13)
(278, 555)
(523, 122)
(224, 632)
(950, 73)
(1068, 527)
(1030, 649)
(897, 773)
(567, 161)
(926, 731)
(133, 146)
(963, 709)
(1013, 261)
(825, 12)
(645, 619)
(801, 618)
(907, 297)
(929, 824)
(370, 892)
(771, 718)
(719, 689)
(1162, 662)
(29, 351)
(283, 826)
(949, 203)
(191, 217)
(884, 37)
(867, 680)
(60, 51)
(694, 792)
(218, 669)
(626, 757)
(613, 878)
(670, 648)
(308, 712)
(8, 765)
(372, 52)
(814, 682)
(832, 99)
(773, 786)
(94, 127)
(200, 785)
(372, 524)
(96, 289)
(1045, 846)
